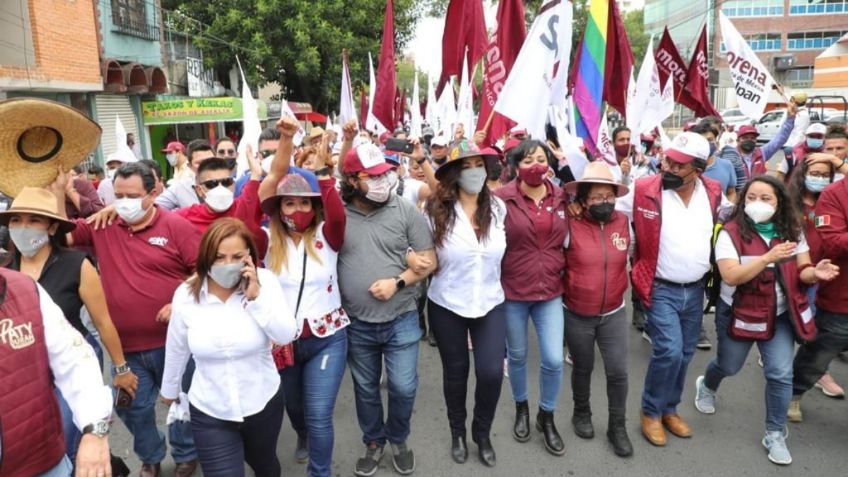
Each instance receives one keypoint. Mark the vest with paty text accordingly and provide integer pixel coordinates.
(32, 436)
(754, 309)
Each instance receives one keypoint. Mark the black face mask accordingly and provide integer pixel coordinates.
(671, 181)
(601, 212)
(747, 146)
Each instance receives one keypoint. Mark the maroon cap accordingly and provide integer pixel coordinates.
(511, 144)
(747, 129)
(366, 158)
(174, 146)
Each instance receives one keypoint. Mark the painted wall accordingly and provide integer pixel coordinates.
(125, 47)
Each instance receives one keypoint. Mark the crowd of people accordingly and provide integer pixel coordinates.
(238, 298)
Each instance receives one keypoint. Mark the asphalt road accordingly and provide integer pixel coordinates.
(724, 444)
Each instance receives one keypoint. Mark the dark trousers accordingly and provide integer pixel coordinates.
(610, 333)
(813, 358)
(488, 336)
(224, 446)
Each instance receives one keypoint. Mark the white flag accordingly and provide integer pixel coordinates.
(631, 104)
(447, 111)
(647, 102)
(415, 107)
(751, 80)
(606, 149)
(250, 124)
(667, 100)
(537, 78)
(465, 109)
(347, 111)
(122, 149)
(371, 122)
(568, 144)
(432, 112)
(286, 112)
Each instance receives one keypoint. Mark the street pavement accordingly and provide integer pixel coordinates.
(724, 444)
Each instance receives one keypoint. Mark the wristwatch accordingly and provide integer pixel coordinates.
(99, 429)
(122, 369)
(400, 283)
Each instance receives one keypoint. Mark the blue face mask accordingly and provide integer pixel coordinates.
(816, 184)
(713, 148)
(814, 143)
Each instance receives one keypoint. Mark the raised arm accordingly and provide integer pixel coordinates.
(348, 133)
(282, 158)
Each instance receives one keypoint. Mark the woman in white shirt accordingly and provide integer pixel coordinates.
(763, 260)
(466, 294)
(226, 316)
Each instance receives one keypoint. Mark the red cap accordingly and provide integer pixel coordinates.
(174, 146)
(518, 132)
(747, 129)
(688, 146)
(366, 158)
(511, 144)
(384, 137)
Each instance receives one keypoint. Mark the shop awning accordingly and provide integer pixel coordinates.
(196, 110)
(311, 116)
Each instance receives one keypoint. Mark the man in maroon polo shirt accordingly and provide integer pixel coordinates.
(143, 257)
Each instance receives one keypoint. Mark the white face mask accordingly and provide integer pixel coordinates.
(172, 158)
(379, 188)
(219, 199)
(28, 241)
(226, 275)
(266, 163)
(110, 174)
(759, 211)
(472, 180)
(130, 210)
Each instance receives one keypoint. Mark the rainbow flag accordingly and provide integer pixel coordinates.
(603, 69)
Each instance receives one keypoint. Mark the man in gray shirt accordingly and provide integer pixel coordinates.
(182, 193)
(375, 279)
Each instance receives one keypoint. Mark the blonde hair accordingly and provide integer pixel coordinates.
(277, 258)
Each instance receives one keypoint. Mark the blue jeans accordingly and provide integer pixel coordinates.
(63, 469)
(72, 433)
(369, 344)
(674, 324)
(140, 417)
(311, 387)
(777, 354)
(549, 322)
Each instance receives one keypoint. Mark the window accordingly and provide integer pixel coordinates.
(761, 42)
(813, 40)
(821, 7)
(130, 17)
(752, 8)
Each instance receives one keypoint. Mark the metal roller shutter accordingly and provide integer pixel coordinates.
(107, 107)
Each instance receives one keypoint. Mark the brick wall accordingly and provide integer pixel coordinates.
(65, 43)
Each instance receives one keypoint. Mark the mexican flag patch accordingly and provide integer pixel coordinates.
(822, 221)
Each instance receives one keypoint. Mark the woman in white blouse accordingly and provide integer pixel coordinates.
(466, 295)
(226, 316)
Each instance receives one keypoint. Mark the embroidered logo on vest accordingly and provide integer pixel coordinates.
(619, 242)
(18, 337)
(648, 214)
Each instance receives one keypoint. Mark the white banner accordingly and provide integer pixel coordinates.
(415, 106)
(465, 108)
(250, 124)
(371, 122)
(751, 80)
(606, 148)
(347, 111)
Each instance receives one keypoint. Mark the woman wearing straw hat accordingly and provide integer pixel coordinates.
(466, 294)
(37, 248)
(307, 231)
(596, 252)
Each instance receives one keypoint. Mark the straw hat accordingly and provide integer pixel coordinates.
(36, 137)
(597, 172)
(37, 201)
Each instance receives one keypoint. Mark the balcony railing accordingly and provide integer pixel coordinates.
(134, 27)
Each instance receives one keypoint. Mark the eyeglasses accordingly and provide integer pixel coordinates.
(213, 183)
(267, 152)
(597, 199)
(227, 152)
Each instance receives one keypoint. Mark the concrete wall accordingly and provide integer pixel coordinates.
(124, 47)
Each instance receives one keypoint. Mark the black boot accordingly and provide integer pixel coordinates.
(617, 435)
(486, 451)
(521, 430)
(459, 449)
(582, 421)
(545, 425)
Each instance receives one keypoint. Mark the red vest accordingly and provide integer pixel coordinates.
(32, 436)
(596, 265)
(647, 221)
(758, 165)
(755, 302)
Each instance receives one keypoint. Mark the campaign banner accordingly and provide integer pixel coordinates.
(752, 81)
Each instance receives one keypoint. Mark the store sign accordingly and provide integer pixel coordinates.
(200, 79)
(196, 110)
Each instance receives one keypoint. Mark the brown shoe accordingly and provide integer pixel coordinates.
(185, 469)
(653, 430)
(149, 470)
(676, 425)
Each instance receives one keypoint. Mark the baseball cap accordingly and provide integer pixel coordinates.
(439, 140)
(174, 146)
(511, 144)
(816, 128)
(121, 156)
(747, 129)
(688, 146)
(366, 158)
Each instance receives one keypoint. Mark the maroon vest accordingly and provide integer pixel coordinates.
(32, 436)
(647, 222)
(758, 164)
(596, 265)
(755, 302)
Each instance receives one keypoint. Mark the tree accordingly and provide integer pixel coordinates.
(296, 43)
(634, 24)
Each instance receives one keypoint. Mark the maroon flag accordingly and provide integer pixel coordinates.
(465, 26)
(669, 62)
(384, 93)
(503, 49)
(363, 108)
(619, 62)
(696, 80)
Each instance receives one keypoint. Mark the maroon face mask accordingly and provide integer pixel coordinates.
(534, 175)
(622, 150)
(299, 220)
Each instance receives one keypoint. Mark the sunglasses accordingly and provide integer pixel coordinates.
(226, 152)
(213, 183)
(266, 152)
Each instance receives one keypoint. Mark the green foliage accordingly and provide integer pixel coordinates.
(634, 24)
(296, 43)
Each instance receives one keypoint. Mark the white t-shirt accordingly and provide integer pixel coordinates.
(724, 249)
(411, 189)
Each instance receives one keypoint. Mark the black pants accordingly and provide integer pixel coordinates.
(224, 446)
(488, 335)
(610, 332)
(812, 358)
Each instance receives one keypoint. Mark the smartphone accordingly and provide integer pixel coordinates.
(399, 145)
(123, 400)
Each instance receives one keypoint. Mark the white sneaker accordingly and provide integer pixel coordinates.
(775, 442)
(647, 337)
(704, 397)
(568, 359)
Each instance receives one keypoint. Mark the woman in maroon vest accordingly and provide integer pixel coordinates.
(596, 252)
(763, 258)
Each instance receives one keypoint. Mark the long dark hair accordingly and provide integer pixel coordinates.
(441, 206)
(787, 218)
(797, 187)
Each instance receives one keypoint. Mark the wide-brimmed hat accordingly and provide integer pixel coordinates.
(294, 184)
(36, 137)
(458, 151)
(597, 172)
(37, 201)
